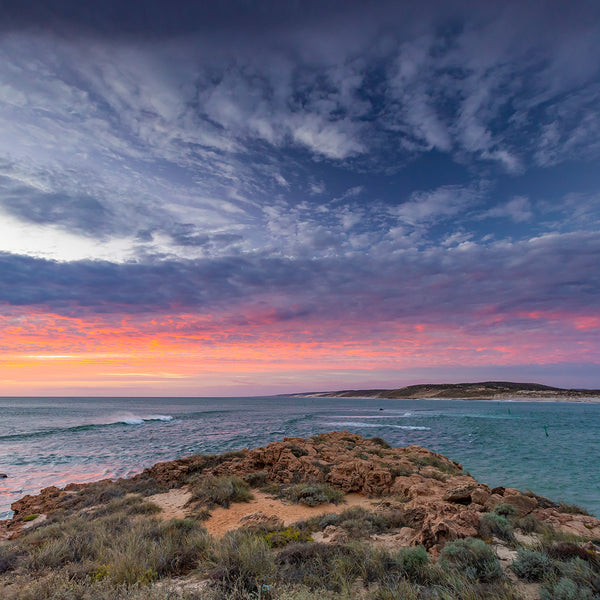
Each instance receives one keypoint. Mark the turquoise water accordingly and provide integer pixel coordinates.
(53, 441)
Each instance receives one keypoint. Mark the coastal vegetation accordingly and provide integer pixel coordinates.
(411, 536)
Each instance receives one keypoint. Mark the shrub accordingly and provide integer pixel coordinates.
(400, 471)
(572, 509)
(29, 518)
(313, 494)
(494, 524)
(473, 557)
(116, 548)
(297, 451)
(220, 491)
(330, 566)
(93, 494)
(283, 537)
(566, 589)
(130, 505)
(434, 461)
(532, 565)
(242, 560)
(412, 562)
(257, 479)
(529, 524)
(581, 572)
(9, 557)
(380, 442)
(396, 589)
(505, 510)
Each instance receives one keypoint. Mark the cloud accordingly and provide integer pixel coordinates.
(549, 272)
(519, 209)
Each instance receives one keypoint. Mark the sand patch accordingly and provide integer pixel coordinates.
(223, 520)
(173, 503)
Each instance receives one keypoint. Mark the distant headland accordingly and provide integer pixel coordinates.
(485, 390)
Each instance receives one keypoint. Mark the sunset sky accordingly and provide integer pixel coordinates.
(267, 197)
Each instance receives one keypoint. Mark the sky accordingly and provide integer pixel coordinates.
(256, 197)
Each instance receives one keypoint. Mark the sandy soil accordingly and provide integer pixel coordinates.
(172, 503)
(223, 520)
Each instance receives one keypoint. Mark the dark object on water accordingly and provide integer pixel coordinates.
(381, 409)
(3, 475)
(546, 430)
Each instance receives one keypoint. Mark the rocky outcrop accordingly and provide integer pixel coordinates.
(432, 496)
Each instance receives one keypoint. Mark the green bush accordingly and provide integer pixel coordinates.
(572, 509)
(532, 565)
(221, 491)
(116, 547)
(412, 562)
(29, 518)
(567, 589)
(313, 494)
(9, 557)
(434, 461)
(243, 561)
(473, 557)
(380, 442)
(494, 524)
(529, 524)
(257, 479)
(283, 537)
(505, 510)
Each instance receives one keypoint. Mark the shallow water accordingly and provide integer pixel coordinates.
(54, 441)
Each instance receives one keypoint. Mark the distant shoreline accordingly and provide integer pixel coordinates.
(487, 390)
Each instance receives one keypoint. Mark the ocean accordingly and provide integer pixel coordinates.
(552, 448)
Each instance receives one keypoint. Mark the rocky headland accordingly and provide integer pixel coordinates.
(324, 498)
(485, 390)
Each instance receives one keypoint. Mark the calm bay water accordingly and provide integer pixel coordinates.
(54, 441)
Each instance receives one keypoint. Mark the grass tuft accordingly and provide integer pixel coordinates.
(220, 491)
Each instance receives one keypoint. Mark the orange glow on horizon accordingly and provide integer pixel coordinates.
(45, 351)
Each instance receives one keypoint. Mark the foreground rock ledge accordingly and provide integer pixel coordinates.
(438, 500)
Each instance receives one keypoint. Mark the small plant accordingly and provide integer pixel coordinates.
(221, 491)
(313, 494)
(532, 565)
(297, 451)
(412, 562)
(495, 524)
(400, 471)
(572, 509)
(505, 510)
(380, 442)
(283, 537)
(437, 463)
(567, 589)
(473, 557)
(257, 479)
(242, 561)
(30, 518)
(9, 557)
(529, 524)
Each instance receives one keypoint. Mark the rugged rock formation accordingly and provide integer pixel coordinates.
(437, 501)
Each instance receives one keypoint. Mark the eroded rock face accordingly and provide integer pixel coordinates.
(430, 493)
(580, 525)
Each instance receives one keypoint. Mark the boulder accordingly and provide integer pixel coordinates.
(523, 504)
